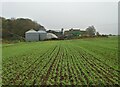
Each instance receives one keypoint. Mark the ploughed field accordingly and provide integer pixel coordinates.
(66, 62)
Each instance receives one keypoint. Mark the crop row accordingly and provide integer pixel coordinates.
(59, 64)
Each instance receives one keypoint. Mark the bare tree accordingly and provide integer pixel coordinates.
(91, 30)
(97, 33)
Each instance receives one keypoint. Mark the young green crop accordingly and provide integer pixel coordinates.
(65, 62)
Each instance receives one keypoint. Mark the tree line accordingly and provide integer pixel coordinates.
(14, 29)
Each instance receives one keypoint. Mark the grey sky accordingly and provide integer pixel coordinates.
(57, 15)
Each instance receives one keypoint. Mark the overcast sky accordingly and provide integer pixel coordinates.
(57, 15)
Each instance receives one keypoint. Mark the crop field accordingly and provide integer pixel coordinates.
(67, 62)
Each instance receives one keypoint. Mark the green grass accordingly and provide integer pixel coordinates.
(67, 62)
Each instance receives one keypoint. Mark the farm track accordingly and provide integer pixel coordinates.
(60, 64)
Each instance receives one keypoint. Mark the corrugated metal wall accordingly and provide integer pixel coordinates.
(32, 36)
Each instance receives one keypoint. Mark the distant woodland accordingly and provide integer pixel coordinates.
(14, 29)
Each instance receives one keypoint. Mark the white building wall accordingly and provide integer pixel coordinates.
(43, 36)
(32, 36)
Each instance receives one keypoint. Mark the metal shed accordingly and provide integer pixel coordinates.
(42, 34)
(32, 35)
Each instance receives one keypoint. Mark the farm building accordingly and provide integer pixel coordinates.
(42, 34)
(72, 33)
(83, 33)
(75, 32)
(51, 36)
(32, 35)
(58, 33)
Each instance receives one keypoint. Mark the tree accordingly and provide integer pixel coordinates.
(91, 31)
(97, 33)
(62, 31)
(110, 34)
(13, 29)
